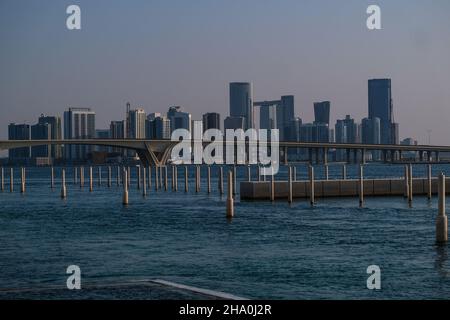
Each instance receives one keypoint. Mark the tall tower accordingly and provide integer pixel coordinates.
(380, 106)
(241, 102)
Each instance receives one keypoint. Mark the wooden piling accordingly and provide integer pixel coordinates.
(197, 179)
(249, 173)
(234, 180)
(327, 177)
(344, 172)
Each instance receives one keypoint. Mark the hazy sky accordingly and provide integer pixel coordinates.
(161, 53)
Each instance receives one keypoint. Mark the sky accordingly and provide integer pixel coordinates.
(158, 53)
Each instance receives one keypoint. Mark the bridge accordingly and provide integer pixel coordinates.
(157, 152)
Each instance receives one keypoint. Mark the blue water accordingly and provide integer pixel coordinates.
(268, 251)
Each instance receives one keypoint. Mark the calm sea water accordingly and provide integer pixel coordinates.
(268, 251)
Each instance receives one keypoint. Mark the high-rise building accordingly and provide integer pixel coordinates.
(56, 134)
(41, 131)
(380, 106)
(137, 119)
(117, 131)
(371, 134)
(322, 112)
(234, 123)
(19, 132)
(158, 127)
(277, 114)
(179, 119)
(285, 114)
(241, 102)
(211, 120)
(79, 123)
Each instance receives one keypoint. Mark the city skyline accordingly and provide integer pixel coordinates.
(47, 69)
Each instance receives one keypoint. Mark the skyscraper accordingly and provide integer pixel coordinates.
(79, 123)
(322, 112)
(19, 132)
(371, 133)
(56, 134)
(211, 120)
(234, 123)
(285, 114)
(41, 131)
(117, 131)
(179, 119)
(158, 127)
(241, 102)
(380, 106)
(136, 121)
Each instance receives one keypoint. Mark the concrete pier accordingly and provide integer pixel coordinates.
(125, 188)
(186, 179)
(91, 180)
(176, 178)
(52, 178)
(235, 180)
(156, 178)
(344, 172)
(139, 177)
(197, 179)
(429, 176)
(249, 173)
(109, 177)
(63, 184)
(336, 188)
(129, 177)
(221, 180)
(230, 200)
(406, 184)
(22, 180)
(312, 186)
(327, 176)
(410, 184)
(272, 188)
(166, 182)
(99, 176)
(144, 181)
(441, 220)
(361, 185)
(149, 177)
(75, 175)
(290, 185)
(209, 179)
(81, 177)
(11, 180)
